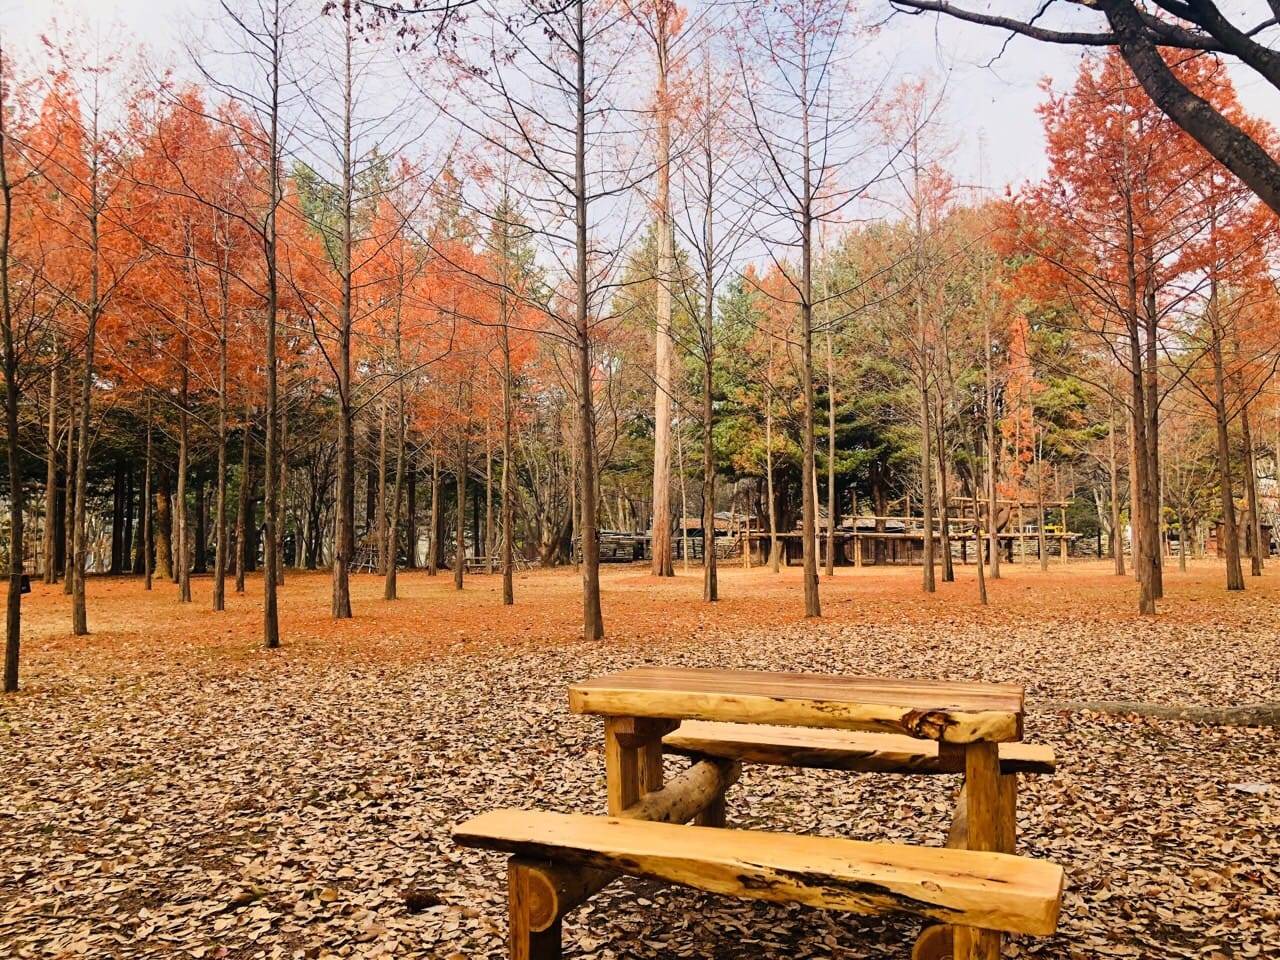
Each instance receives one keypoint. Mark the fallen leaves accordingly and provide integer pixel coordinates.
(170, 791)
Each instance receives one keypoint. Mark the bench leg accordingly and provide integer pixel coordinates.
(525, 942)
(935, 943)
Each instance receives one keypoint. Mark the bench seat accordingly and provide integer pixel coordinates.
(991, 891)
(840, 749)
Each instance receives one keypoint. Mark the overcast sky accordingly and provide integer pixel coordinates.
(989, 104)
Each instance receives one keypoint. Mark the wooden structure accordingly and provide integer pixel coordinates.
(868, 539)
(976, 889)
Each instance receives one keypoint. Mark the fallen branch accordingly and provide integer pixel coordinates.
(1245, 715)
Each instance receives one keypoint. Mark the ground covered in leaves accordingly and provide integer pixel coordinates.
(169, 789)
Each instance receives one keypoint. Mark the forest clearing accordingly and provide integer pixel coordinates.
(178, 791)
(640, 479)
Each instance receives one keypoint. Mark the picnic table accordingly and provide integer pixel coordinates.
(722, 718)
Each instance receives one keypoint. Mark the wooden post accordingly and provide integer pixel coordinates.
(633, 758)
(526, 943)
(986, 810)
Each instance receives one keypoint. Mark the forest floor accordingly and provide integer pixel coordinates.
(168, 788)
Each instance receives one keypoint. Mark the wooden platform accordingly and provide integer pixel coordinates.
(991, 891)
(933, 710)
(840, 749)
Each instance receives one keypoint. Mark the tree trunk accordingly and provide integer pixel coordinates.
(437, 520)
(116, 566)
(243, 501)
(588, 528)
(1230, 529)
(831, 461)
(163, 522)
(460, 533)
(1117, 533)
(13, 397)
(661, 532)
(488, 496)
(49, 545)
(775, 548)
(411, 514)
(79, 611)
(508, 588)
(926, 487)
(182, 554)
(390, 587)
(710, 584)
(380, 504)
(147, 545)
(220, 494)
(1251, 493)
(69, 480)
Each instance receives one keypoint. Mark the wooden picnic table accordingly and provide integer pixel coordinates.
(967, 720)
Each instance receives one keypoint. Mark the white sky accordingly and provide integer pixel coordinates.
(997, 102)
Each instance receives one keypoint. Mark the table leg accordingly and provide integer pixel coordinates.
(633, 758)
(986, 810)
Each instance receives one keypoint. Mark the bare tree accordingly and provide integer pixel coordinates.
(804, 121)
(1140, 34)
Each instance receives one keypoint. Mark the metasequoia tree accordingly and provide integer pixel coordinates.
(804, 120)
(542, 76)
(1149, 40)
(926, 192)
(260, 34)
(511, 284)
(84, 199)
(341, 202)
(20, 324)
(713, 229)
(661, 21)
(1106, 229)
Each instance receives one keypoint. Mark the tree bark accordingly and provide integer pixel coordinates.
(588, 528)
(661, 532)
(1230, 528)
(182, 554)
(220, 496)
(460, 531)
(52, 450)
(437, 524)
(13, 397)
(1117, 535)
(148, 511)
(163, 528)
(244, 504)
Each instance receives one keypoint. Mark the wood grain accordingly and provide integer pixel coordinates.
(841, 749)
(992, 891)
(984, 832)
(695, 792)
(954, 712)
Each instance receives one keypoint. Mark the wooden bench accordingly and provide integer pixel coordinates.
(840, 749)
(555, 856)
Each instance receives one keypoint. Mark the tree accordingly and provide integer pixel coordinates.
(84, 199)
(804, 123)
(262, 32)
(1148, 41)
(542, 79)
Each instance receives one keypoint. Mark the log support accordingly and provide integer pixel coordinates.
(543, 892)
(996, 831)
(987, 811)
(524, 899)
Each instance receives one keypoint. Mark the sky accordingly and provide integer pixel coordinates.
(990, 106)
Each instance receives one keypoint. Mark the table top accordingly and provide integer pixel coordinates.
(942, 710)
